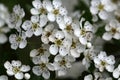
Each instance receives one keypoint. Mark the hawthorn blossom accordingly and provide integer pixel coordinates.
(89, 55)
(84, 33)
(61, 64)
(35, 25)
(102, 8)
(15, 18)
(55, 9)
(16, 69)
(39, 7)
(102, 61)
(112, 30)
(116, 72)
(42, 66)
(43, 50)
(18, 40)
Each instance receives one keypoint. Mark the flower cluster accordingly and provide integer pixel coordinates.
(63, 39)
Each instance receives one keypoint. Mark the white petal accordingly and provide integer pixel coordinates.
(108, 28)
(23, 44)
(68, 20)
(14, 46)
(116, 73)
(62, 72)
(83, 40)
(12, 38)
(38, 32)
(44, 59)
(27, 76)
(10, 72)
(58, 58)
(7, 65)
(3, 77)
(57, 3)
(35, 19)
(74, 53)
(34, 11)
(116, 36)
(63, 11)
(19, 75)
(53, 49)
(43, 20)
(88, 26)
(88, 77)
(16, 63)
(110, 68)
(110, 59)
(94, 10)
(33, 53)
(59, 35)
(37, 4)
(46, 74)
(49, 27)
(63, 51)
(36, 59)
(36, 70)
(48, 5)
(51, 17)
(107, 36)
(3, 38)
(97, 61)
(50, 67)
(25, 68)
(103, 15)
(26, 25)
(29, 33)
(102, 55)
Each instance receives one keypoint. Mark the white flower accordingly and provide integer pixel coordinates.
(18, 41)
(35, 25)
(102, 8)
(3, 77)
(55, 9)
(102, 61)
(84, 33)
(39, 7)
(112, 30)
(15, 68)
(43, 50)
(42, 66)
(89, 55)
(61, 64)
(15, 18)
(46, 33)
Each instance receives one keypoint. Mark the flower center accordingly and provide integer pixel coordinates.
(63, 62)
(34, 26)
(48, 34)
(42, 65)
(16, 70)
(103, 63)
(18, 39)
(113, 30)
(100, 7)
(58, 42)
(73, 45)
(83, 32)
(56, 12)
(43, 10)
(68, 28)
(41, 50)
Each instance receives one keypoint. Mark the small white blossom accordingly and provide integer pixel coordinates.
(61, 64)
(15, 18)
(102, 8)
(18, 40)
(43, 67)
(112, 30)
(102, 61)
(35, 26)
(15, 68)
